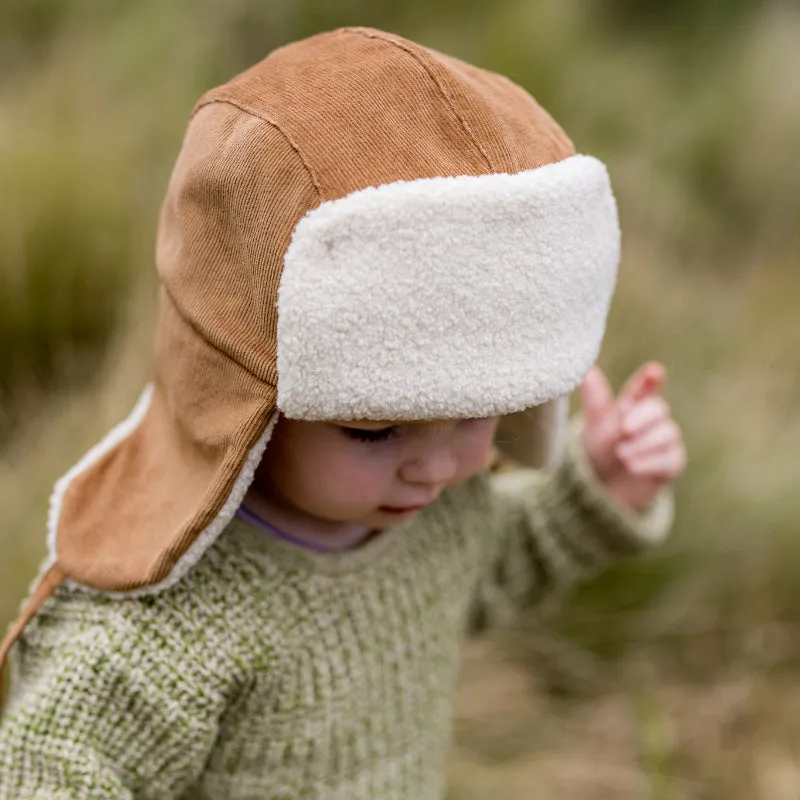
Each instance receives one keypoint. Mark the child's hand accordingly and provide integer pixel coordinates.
(634, 446)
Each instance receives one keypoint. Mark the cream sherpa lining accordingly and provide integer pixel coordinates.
(448, 297)
(205, 539)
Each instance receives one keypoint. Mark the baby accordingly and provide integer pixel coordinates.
(260, 582)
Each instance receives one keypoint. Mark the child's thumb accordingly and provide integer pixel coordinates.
(597, 397)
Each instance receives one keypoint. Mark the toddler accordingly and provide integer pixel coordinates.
(258, 585)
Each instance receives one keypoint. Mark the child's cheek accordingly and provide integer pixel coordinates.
(366, 471)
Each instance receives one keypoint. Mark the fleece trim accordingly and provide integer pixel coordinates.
(449, 297)
(205, 538)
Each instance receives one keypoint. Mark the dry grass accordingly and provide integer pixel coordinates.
(734, 738)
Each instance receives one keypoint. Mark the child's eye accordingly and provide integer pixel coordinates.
(370, 435)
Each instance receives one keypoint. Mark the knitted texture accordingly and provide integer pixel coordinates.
(272, 671)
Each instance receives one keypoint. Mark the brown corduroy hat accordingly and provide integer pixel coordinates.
(356, 228)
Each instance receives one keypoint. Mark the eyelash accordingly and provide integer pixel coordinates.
(384, 434)
(364, 435)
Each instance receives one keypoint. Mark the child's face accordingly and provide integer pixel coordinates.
(371, 473)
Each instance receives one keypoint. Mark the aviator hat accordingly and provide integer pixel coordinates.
(357, 227)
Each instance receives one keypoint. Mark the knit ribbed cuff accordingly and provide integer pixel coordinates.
(623, 529)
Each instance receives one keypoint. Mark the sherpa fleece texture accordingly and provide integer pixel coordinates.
(465, 296)
(272, 671)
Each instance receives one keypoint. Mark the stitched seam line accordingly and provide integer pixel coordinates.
(277, 127)
(186, 319)
(316, 185)
(439, 85)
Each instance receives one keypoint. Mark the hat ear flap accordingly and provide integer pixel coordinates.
(535, 437)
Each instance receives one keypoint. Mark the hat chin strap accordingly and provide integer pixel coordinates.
(46, 587)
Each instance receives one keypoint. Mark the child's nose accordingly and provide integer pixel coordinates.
(435, 465)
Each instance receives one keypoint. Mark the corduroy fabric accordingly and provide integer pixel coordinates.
(365, 108)
(271, 671)
(219, 254)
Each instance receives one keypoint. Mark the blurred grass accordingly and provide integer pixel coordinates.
(668, 677)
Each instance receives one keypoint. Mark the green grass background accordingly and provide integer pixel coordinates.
(669, 677)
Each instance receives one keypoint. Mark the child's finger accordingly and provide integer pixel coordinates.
(664, 466)
(644, 414)
(661, 434)
(646, 381)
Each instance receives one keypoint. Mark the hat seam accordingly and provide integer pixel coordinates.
(269, 121)
(549, 133)
(273, 382)
(439, 85)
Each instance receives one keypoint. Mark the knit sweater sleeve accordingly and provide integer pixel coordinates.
(113, 699)
(555, 527)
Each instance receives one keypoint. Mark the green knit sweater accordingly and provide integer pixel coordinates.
(272, 671)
